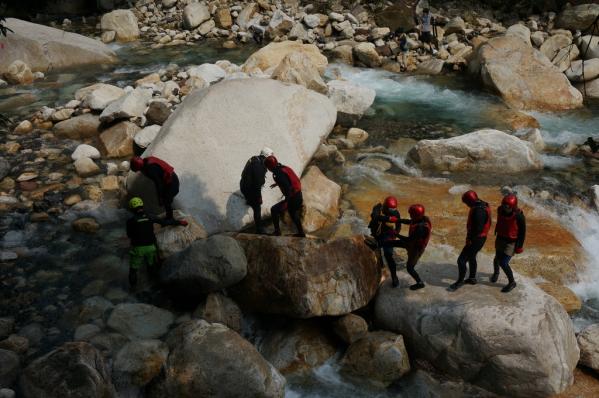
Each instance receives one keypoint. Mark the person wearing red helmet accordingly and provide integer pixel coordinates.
(385, 225)
(511, 232)
(477, 229)
(291, 187)
(165, 181)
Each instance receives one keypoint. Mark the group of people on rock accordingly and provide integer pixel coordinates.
(510, 230)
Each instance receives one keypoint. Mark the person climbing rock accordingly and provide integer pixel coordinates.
(416, 241)
(140, 231)
(477, 227)
(165, 181)
(385, 225)
(511, 232)
(252, 180)
(291, 187)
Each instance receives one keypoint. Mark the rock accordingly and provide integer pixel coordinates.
(98, 96)
(24, 127)
(206, 266)
(552, 46)
(15, 343)
(280, 24)
(521, 75)
(590, 46)
(520, 31)
(356, 136)
(123, 23)
(533, 136)
(194, 14)
(321, 200)
(86, 224)
(209, 72)
(432, 66)
(168, 3)
(140, 321)
(86, 332)
(10, 365)
(482, 150)
(6, 327)
(350, 328)
(455, 25)
(590, 89)
(396, 16)
(220, 309)
(158, 112)
(149, 80)
(138, 362)
(86, 167)
(118, 139)
(588, 341)
(177, 238)
(4, 167)
(223, 18)
(298, 32)
(109, 183)
(62, 114)
(129, 105)
(298, 346)
(272, 55)
(298, 120)
(33, 332)
(578, 17)
(538, 38)
(70, 371)
(520, 344)
(566, 297)
(344, 54)
(7, 393)
(366, 53)
(245, 16)
(18, 73)
(327, 278)
(206, 27)
(297, 68)
(379, 358)
(350, 100)
(85, 151)
(146, 135)
(591, 70)
(108, 37)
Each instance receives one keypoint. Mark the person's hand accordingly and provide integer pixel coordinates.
(392, 219)
(519, 250)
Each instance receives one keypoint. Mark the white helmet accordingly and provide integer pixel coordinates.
(266, 152)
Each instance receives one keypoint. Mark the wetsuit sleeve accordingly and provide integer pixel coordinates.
(155, 173)
(405, 221)
(479, 219)
(130, 227)
(419, 233)
(258, 172)
(521, 220)
(283, 182)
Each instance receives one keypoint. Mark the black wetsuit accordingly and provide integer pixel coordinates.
(252, 180)
(165, 192)
(385, 232)
(140, 231)
(475, 240)
(293, 202)
(502, 259)
(412, 244)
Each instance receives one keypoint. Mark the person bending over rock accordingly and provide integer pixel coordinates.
(477, 227)
(252, 180)
(291, 187)
(385, 225)
(511, 232)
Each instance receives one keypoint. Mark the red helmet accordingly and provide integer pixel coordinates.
(416, 212)
(271, 162)
(136, 163)
(510, 200)
(469, 197)
(390, 202)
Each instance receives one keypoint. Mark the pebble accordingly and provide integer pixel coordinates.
(27, 176)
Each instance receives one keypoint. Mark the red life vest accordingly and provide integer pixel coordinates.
(487, 226)
(296, 184)
(507, 225)
(167, 169)
(426, 223)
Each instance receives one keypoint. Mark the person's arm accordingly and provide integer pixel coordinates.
(521, 220)
(259, 173)
(155, 173)
(130, 227)
(405, 221)
(283, 182)
(479, 219)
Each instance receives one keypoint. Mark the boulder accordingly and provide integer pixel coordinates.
(590, 89)
(118, 139)
(538, 38)
(123, 23)
(560, 51)
(519, 31)
(289, 118)
(356, 136)
(206, 266)
(343, 53)
(520, 344)
(523, 76)
(138, 362)
(321, 200)
(194, 14)
(366, 53)
(10, 365)
(62, 115)
(18, 73)
(146, 135)
(209, 72)
(7, 324)
(482, 150)
(566, 297)
(271, 56)
(174, 239)
(44, 48)
(298, 346)
(24, 127)
(98, 96)
(85, 151)
(578, 17)
(158, 112)
(350, 100)
(298, 32)
(455, 25)
(588, 342)
(79, 127)
(396, 16)
(208, 360)
(86, 167)
(591, 70)
(129, 105)
(223, 18)
(245, 16)
(590, 46)
(432, 66)
(379, 358)
(206, 27)
(297, 68)
(73, 370)
(220, 309)
(350, 328)
(306, 277)
(280, 24)
(140, 321)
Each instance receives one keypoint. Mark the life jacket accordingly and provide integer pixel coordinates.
(296, 184)
(507, 225)
(487, 225)
(380, 229)
(422, 242)
(167, 169)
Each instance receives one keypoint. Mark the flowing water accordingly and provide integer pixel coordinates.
(57, 269)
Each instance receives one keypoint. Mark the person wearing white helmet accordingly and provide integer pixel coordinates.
(252, 180)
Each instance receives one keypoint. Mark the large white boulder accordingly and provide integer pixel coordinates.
(579, 17)
(590, 46)
(212, 134)
(44, 48)
(520, 344)
(297, 68)
(194, 14)
(352, 101)
(271, 56)
(129, 105)
(98, 96)
(560, 51)
(482, 150)
(123, 23)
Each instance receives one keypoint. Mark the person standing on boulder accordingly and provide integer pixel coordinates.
(511, 232)
(165, 181)
(426, 22)
(477, 227)
(252, 180)
(385, 225)
(291, 187)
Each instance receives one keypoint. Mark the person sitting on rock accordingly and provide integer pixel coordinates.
(165, 181)
(477, 227)
(511, 232)
(385, 225)
(252, 180)
(291, 187)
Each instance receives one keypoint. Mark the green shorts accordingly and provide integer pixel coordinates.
(138, 255)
